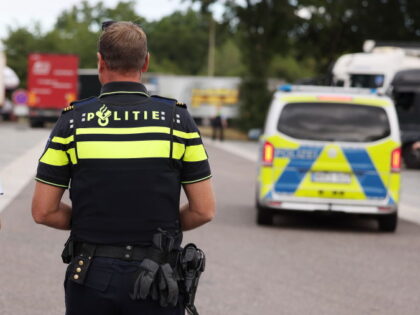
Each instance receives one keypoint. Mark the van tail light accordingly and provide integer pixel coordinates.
(268, 154)
(396, 160)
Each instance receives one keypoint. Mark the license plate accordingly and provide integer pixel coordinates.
(331, 177)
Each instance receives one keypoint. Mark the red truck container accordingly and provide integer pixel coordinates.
(52, 85)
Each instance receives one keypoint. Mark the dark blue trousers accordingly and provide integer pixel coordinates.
(106, 292)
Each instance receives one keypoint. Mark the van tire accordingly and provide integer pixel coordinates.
(36, 123)
(411, 158)
(388, 222)
(264, 216)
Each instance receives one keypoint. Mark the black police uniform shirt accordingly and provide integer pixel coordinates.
(114, 153)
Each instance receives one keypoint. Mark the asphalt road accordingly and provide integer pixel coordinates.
(302, 265)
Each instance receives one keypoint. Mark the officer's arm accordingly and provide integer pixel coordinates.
(200, 208)
(47, 208)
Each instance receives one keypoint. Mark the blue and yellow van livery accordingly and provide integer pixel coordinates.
(330, 149)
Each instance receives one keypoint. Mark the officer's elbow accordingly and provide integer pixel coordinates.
(208, 213)
(211, 213)
(38, 215)
(39, 211)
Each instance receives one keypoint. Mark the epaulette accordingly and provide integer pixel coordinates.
(169, 100)
(68, 108)
(78, 103)
(180, 104)
(84, 101)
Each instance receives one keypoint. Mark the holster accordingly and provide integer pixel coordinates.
(68, 251)
(79, 264)
(192, 263)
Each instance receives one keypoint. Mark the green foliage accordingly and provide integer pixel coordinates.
(76, 32)
(337, 27)
(255, 99)
(291, 69)
(263, 29)
(19, 43)
(228, 59)
(180, 39)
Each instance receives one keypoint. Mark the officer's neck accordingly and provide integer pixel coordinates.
(111, 76)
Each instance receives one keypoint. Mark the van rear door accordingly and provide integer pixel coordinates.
(348, 158)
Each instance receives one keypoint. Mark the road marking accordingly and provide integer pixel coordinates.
(405, 211)
(409, 213)
(16, 175)
(234, 149)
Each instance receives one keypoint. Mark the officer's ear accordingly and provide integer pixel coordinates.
(146, 63)
(101, 62)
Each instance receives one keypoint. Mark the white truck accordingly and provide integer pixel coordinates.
(8, 81)
(2, 83)
(394, 69)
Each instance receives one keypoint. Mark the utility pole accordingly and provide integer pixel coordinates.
(212, 46)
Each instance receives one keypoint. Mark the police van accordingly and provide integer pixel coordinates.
(330, 149)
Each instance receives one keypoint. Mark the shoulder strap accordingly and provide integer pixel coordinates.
(75, 104)
(171, 131)
(84, 101)
(173, 103)
(164, 99)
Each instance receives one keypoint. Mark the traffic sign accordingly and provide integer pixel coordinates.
(20, 97)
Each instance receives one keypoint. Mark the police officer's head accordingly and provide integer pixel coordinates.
(122, 52)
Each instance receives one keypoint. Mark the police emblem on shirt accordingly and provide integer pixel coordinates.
(103, 115)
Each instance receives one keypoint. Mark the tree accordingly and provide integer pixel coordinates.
(178, 42)
(332, 28)
(264, 30)
(19, 43)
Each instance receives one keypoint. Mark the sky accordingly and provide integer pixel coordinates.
(25, 12)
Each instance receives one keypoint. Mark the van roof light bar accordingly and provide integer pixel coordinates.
(325, 89)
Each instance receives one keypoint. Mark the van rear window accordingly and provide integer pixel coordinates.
(334, 122)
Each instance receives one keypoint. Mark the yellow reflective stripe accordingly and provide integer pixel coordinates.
(178, 150)
(63, 140)
(195, 153)
(55, 157)
(197, 180)
(136, 130)
(49, 183)
(127, 149)
(72, 153)
(186, 135)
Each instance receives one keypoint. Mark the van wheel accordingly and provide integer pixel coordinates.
(264, 216)
(388, 222)
(411, 157)
(35, 123)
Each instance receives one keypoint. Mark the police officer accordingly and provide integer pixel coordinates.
(124, 156)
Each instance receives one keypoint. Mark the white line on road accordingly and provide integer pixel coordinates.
(16, 175)
(234, 149)
(409, 213)
(405, 211)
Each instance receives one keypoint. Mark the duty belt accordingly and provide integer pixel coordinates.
(82, 254)
(165, 271)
